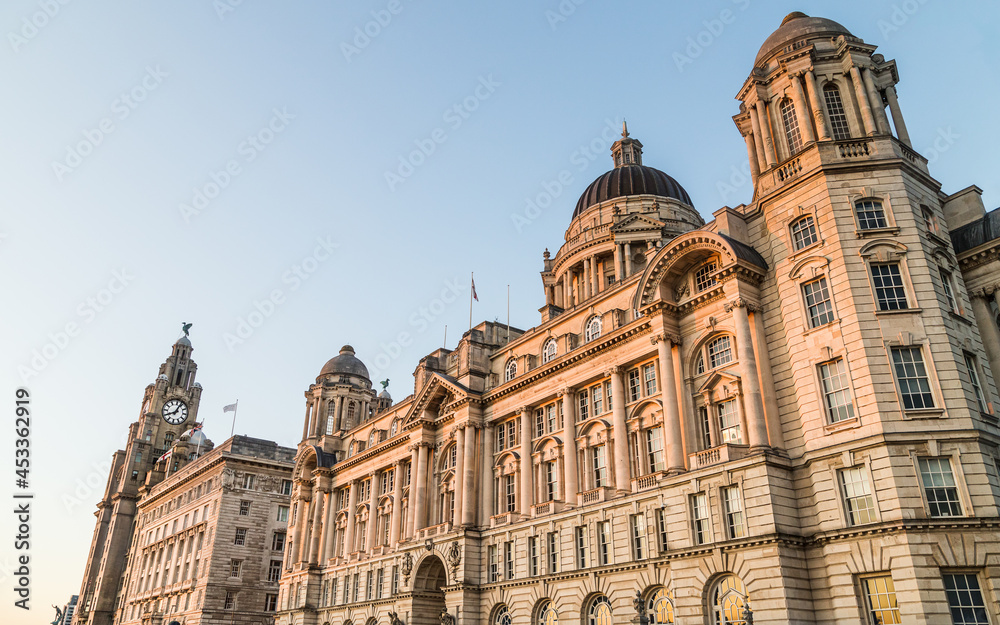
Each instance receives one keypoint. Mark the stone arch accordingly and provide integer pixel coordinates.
(644, 408)
(429, 579)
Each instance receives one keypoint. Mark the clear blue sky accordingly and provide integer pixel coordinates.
(164, 96)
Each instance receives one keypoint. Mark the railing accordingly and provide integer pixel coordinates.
(854, 149)
(789, 170)
(593, 496)
(504, 519)
(547, 507)
(433, 530)
(646, 481)
(715, 455)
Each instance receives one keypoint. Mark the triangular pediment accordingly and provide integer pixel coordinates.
(718, 378)
(439, 391)
(637, 222)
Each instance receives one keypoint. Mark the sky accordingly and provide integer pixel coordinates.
(293, 177)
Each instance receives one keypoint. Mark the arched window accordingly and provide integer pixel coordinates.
(791, 124)
(372, 439)
(350, 414)
(501, 616)
(660, 607)
(599, 612)
(835, 112)
(168, 439)
(803, 232)
(720, 352)
(870, 214)
(394, 427)
(593, 329)
(549, 351)
(730, 604)
(699, 365)
(547, 614)
(703, 278)
(510, 370)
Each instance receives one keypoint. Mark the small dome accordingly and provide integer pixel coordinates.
(630, 180)
(797, 25)
(385, 395)
(197, 438)
(346, 363)
(183, 341)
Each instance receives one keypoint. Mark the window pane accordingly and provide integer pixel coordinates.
(939, 487)
(889, 290)
(911, 375)
(835, 110)
(818, 303)
(870, 214)
(977, 389)
(836, 394)
(703, 278)
(803, 233)
(857, 496)
(791, 126)
(965, 599)
(729, 422)
(720, 352)
(880, 596)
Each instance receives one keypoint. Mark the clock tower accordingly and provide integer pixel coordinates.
(167, 415)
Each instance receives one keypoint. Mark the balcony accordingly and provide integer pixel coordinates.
(601, 493)
(548, 507)
(716, 455)
(433, 530)
(498, 520)
(647, 482)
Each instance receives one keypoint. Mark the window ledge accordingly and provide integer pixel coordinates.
(825, 326)
(923, 413)
(937, 238)
(846, 424)
(809, 248)
(901, 311)
(957, 316)
(863, 234)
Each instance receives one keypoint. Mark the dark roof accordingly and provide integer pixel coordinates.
(745, 252)
(977, 233)
(797, 26)
(345, 363)
(630, 180)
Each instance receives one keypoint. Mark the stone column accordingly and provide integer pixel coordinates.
(420, 504)
(988, 331)
(459, 493)
(862, 96)
(674, 450)
(469, 478)
(330, 527)
(758, 138)
(753, 402)
(300, 506)
(765, 129)
(395, 520)
(817, 107)
(595, 265)
(776, 437)
(801, 110)
(567, 286)
(526, 499)
(411, 519)
(303, 526)
(628, 259)
(352, 504)
(897, 116)
(618, 261)
(752, 156)
(324, 526)
(881, 121)
(487, 503)
(570, 487)
(623, 480)
(372, 515)
(305, 424)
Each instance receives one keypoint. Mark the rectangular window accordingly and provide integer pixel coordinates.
(949, 294)
(230, 600)
(274, 571)
(791, 124)
(333, 591)
(703, 278)
(508, 559)
(533, 556)
(550, 417)
(282, 514)
(244, 508)
(379, 577)
(649, 379)
(369, 586)
(940, 488)
(836, 394)
(706, 428)
(720, 352)
(637, 525)
(241, 536)
(661, 528)
(858, 502)
(654, 448)
(553, 547)
(818, 305)
(804, 233)
(286, 487)
(911, 375)
(550, 481)
(889, 290)
(600, 466)
(501, 437)
(270, 602)
(607, 395)
(699, 518)
(604, 542)
(735, 525)
(347, 589)
(584, 401)
(235, 567)
(870, 214)
(394, 587)
(977, 388)
(512, 436)
(509, 493)
(249, 480)
(539, 423)
(880, 600)
(494, 559)
(729, 422)
(835, 109)
(634, 392)
(965, 599)
(581, 547)
(354, 587)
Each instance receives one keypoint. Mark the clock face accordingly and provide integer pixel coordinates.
(175, 411)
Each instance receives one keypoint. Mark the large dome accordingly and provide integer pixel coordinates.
(796, 26)
(630, 180)
(345, 363)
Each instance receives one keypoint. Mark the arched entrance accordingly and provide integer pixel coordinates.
(428, 596)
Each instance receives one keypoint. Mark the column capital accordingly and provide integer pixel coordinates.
(741, 302)
(614, 370)
(668, 337)
(566, 390)
(524, 410)
(985, 292)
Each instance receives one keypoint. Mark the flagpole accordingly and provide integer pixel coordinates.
(233, 430)
(471, 293)
(197, 451)
(445, 345)
(508, 313)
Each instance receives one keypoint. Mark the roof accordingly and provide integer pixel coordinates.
(345, 363)
(745, 252)
(630, 180)
(977, 233)
(798, 25)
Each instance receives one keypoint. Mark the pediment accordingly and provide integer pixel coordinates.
(439, 391)
(721, 377)
(637, 222)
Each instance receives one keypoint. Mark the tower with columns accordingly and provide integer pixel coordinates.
(783, 415)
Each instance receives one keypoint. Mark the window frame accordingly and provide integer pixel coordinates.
(961, 497)
(866, 598)
(547, 354)
(867, 205)
(790, 126)
(838, 121)
(814, 321)
(884, 305)
(979, 390)
(848, 389)
(510, 369)
(593, 329)
(930, 376)
(736, 519)
(983, 595)
(701, 526)
(793, 232)
(864, 471)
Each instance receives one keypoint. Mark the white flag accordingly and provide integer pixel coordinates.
(229, 408)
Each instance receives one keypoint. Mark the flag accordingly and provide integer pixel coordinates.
(166, 456)
(197, 426)
(474, 296)
(229, 408)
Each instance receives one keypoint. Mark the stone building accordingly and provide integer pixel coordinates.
(209, 538)
(785, 415)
